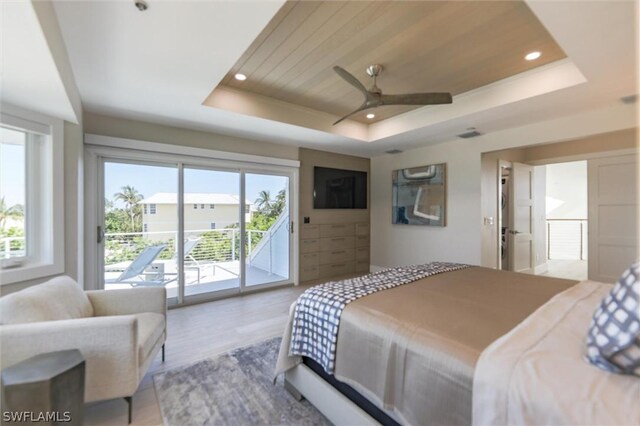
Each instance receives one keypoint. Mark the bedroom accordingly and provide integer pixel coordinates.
(155, 85)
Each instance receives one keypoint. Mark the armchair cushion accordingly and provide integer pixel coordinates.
(58, 299)
(150, 329)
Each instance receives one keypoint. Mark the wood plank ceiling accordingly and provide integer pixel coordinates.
(449, 46)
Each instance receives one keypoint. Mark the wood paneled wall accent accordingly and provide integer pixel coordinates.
(336, 241)
(424, 46)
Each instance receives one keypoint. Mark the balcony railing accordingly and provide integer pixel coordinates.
(12, 247)
(567, 239)
(209, 245)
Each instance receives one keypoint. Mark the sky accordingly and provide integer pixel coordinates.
(149, 180)
(12, 163)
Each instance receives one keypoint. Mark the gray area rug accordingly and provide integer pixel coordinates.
(235, 388)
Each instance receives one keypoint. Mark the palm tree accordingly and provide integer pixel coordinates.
(281, 202)
(264, 201)
(130, 197)
(14, 212)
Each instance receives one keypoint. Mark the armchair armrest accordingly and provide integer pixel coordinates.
(129, 301)
(94, 337)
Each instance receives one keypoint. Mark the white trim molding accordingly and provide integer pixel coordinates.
(45, 198)
(139, 145)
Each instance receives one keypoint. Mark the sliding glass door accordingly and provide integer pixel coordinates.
(140, 226)
(196, 230)
(267, 232)
(211, 231)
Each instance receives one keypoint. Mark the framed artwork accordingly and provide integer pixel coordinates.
(420, 195)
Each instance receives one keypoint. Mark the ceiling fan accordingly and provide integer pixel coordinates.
(373, 97)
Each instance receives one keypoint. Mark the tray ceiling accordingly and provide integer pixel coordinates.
(423, 46)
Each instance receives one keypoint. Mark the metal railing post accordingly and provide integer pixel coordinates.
(548, 240)
(233, 245)
(581, 239)
(270, 253)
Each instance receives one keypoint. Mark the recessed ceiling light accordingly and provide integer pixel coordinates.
(532, 56)
(370, 116)
(240, 77)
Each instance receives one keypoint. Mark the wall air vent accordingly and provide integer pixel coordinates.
(631, 99)
(393, 151)
(471, 132)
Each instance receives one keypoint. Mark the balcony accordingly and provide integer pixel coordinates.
(211, 258)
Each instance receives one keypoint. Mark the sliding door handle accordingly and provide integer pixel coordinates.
(515, 232)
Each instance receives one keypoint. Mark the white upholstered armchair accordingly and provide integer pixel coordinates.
(119, 332)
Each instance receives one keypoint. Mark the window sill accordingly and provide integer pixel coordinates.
(29, 271)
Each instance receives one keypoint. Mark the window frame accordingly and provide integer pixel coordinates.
(153, 209)
(44, 213)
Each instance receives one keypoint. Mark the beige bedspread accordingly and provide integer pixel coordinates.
(412, 349)
(536, 374)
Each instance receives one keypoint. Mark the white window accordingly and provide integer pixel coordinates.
(195, 207)
(152, 209)
(31, 194)
(247, 208)
(213, 225)
(212, 206)
(145, 208)
(145, 228)
(202, 206)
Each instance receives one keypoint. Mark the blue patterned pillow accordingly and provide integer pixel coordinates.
(613, 342)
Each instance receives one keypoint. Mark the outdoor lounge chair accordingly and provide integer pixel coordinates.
(135, 274)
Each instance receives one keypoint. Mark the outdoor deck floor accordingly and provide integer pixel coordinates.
(213, 277)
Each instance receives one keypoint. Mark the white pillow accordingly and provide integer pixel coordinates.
(60, 298)
(613, 342)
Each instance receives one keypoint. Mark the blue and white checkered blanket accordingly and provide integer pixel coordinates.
(317, 313)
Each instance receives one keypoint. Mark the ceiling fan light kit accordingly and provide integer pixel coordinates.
(374, 98)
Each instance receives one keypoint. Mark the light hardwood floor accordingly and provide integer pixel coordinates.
(569, 269)
(197, 332)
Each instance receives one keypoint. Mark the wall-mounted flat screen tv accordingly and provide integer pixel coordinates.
(339, 189)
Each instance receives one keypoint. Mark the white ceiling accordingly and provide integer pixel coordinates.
(29, 71)
(160, 65)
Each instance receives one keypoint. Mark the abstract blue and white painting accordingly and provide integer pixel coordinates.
(420, 195)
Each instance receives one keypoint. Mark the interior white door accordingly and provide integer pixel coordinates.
(521, 220)
(613, 216)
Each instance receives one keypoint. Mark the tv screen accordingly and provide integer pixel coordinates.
(339, 189)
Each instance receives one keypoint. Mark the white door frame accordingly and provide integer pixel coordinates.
(94, 156)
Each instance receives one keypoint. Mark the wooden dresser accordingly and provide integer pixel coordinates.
(333, 250)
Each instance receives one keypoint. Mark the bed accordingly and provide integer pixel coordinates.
(411, 352)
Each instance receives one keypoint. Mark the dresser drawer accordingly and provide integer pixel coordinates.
(337, 256)
(309, 259)
(337, 230)
(309, 246)
(362, 266)
(362, 229)
(337, 243)
(309, 273)
(336, 269)
(362, 241)
(309, 232)
(362, 254)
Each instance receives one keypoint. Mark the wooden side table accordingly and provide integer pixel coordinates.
(47, 389)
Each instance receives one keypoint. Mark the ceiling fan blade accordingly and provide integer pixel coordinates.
(361, 108)
(349, 78)
(436, 98)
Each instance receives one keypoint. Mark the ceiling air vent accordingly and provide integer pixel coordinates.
(631, 99)
(393, 151)
(470, 133)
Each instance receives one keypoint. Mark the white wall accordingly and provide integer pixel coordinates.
(461, 240)
(567, 190)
